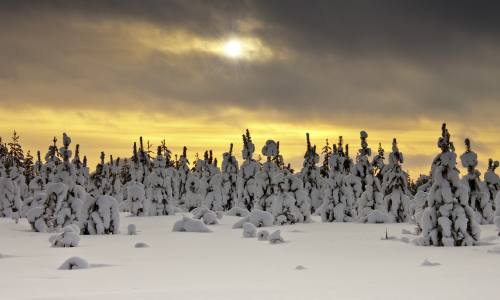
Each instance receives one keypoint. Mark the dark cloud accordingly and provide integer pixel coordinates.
(346, 60)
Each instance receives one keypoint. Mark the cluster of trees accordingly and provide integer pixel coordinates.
(60, 190)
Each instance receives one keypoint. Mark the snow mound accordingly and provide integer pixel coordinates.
(406, 231)
(258, 218)
(378, 216)
(208, 216)
(141, 245)
(275, 237)
(428, 263)
(249, 230)
(238, 212)
(74, 263)
(187, 224)
(300, 268)
(263, 235)
(70, 237)
(131, 229)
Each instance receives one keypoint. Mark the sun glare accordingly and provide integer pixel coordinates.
(233, 49)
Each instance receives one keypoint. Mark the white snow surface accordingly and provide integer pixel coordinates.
(338, 256)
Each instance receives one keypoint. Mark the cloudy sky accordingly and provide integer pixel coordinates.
(200, 72)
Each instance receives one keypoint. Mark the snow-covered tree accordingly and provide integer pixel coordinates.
(229, 179)
(371, 200)
(339, 202)
(10, 198)
(378, 163)
(448, 220)
(99, 215)
(492, 181)
(183, 173)
(249, 191)
(268, 178)
(327, 152)
(395, 187)
(99, 183)
(479, 199)
(310, 175)
(159, 188)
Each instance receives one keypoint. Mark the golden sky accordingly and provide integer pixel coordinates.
(107, 74)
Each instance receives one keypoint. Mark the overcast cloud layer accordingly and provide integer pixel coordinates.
(363, 64)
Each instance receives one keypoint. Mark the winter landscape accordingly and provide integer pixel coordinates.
(247, 149)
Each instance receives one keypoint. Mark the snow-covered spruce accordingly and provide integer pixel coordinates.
(311, 177)
(249, 191)
(448, 220)
(99, 215)
(192, 198)
(229, 179)
(258, 218)
(187, 224)
(74, 263)
(214, 198)
(395, 187)
(10, 198)
(372, 198)
(52, 214)
(268, 178)
(492, 181)
(183, 174)
(70, 237)
(479, 199)
(159, 189)
(339, 202)
(136, 199)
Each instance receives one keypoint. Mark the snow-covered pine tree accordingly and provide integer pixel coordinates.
(51, 162)
(448, 220)
(159, 190)
(327, 152)
(214, 199)
(268, 178)
(310, 175)
(29, 169)
(10, 199)
(378, 163)
(136, 201)
(479, 199)
(183, 173)
(16, 153)
(99, 215)
(99, 183)
(229, 179)
(492, 181)
(249, 191)
(339, 202)
(70, 203)
(395, 187)
(370, 204)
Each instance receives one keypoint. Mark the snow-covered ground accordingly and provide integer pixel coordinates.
(318, 261)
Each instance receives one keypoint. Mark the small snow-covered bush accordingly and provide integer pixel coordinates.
(139, 205)
(263, 235)
(275, 237)
(187, 224)
(70, 237)
(258, 218)
(99, 215)
(377, 216)
(131, 229)
(209, 217)
(249, 230)
(238, 212)
(74, 263)
(10, 198)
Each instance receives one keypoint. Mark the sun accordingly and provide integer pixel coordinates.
(233, 49)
